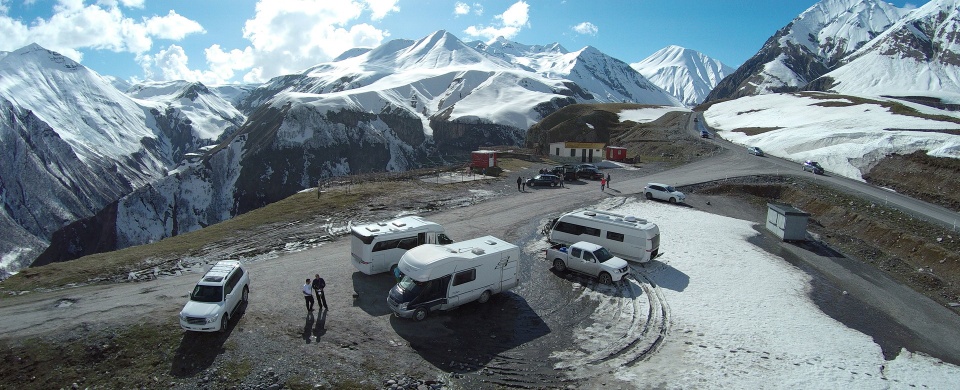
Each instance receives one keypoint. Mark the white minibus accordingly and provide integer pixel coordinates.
(632, 238)
(377, 247)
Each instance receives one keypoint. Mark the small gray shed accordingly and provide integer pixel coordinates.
(787, 222)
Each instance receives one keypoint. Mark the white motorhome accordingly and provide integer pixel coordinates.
(377, 247)
(632, 238)
(442, 277)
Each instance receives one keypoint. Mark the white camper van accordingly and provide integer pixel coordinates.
(377, 247)
(442, 277)
(631, 238)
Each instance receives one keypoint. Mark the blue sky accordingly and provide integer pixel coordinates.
(224, 41)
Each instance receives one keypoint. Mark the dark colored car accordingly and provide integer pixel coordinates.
(812, 166)
(543, 179)
(589, 174)
(704, 134)
(567, 173)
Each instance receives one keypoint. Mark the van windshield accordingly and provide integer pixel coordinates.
(207, 294)
(602, 254)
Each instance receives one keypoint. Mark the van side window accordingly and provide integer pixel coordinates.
(442, 239)
(465, 277)
(570, 228)
(407, 243)
(615, 236)
(575, 252)
(384, 245)
(591, 231)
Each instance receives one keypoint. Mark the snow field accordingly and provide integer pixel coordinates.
(846, 140)
(739, 317)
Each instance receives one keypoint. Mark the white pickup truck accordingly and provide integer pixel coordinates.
(589, 259)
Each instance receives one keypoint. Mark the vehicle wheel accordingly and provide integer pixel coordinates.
(484, 297)
(420, 314)
(605, 278)
(673, 200)
(244, 299)
(559, 266)
(648, 195)
(224, 323)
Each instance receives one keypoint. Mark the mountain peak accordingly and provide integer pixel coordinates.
(685, 73)
(43, 57)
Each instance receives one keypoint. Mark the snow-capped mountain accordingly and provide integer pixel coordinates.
(73, 143)
(686, 74)
(386, 108)
(588, 68)
(211, 117)
(919, 55)
(809, 46)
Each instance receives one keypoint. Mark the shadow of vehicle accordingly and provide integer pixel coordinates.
(197, 350)
(466, 339)
(371, 292)
(663, 275)
(589, 282)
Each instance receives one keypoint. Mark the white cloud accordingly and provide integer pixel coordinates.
(74, 26)
(511, 21)
(380, 8)
(517, 15)
(172, 26)
(461, 9)
(585, 28)
(289, 36)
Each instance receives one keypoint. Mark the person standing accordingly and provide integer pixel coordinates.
(603, 183)
(562, 179)
(318, 285)
(523, 185)
(519, 181)
(308, 295)
(608, 181)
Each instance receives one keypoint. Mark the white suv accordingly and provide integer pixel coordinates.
(663, 192)
(222, 291)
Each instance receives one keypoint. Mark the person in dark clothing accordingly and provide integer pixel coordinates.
(318, 286)
(608, 181)
(519, 181)
(307, 295)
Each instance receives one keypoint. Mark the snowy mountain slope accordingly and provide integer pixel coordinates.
(72, 143)
(686, 74)
(210, 116)
(809, 46)
(847, 135)
(919, 55)
(386, 108)
(589, 69)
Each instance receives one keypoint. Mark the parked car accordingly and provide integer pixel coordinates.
(565, 172)
(663, 192)
(812, 166)
(220, 293)
(589, 259)
(755, 151)
(589, 173)
(704, 134)
(585, 165)
(543, 179)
